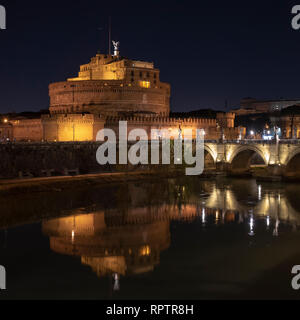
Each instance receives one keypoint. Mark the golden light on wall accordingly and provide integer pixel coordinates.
(145, 84)
(75, 132)
(145, 251)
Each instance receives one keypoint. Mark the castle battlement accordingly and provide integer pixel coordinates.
(163, 120)
(68, 117)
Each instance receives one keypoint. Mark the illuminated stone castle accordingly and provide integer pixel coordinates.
(110, 85)
(108, 89)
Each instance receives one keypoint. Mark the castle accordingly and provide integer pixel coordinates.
(108, 89)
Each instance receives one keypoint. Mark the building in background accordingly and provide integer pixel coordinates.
(250, 106)
(288, 122)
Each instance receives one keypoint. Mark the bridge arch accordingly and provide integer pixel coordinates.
(293, 165)
(209, 158)
(242, 158)
(211, 151)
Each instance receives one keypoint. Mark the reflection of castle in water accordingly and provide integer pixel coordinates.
(129, 240)
(123, 249)
(111, 242)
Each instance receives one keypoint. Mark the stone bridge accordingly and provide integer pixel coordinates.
(266, 158)
(279, 158)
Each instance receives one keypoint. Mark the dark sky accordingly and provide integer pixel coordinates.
(209, 51)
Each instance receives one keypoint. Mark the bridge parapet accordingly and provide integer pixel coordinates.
(279, 158)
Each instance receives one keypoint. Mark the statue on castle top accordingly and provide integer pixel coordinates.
(116, 45)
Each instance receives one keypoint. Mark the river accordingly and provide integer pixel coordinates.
(184, 238)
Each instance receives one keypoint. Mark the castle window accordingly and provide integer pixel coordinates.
(145, 251)
(154, 75)
(132, 73)
(132, 80)
(145, 84)
(148, 75)
(141, 74)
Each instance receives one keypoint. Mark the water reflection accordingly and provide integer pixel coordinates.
(110, 248)
(127, 238)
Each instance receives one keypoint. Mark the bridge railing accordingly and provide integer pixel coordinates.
(255, 141)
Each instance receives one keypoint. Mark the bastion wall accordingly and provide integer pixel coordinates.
(84, 127)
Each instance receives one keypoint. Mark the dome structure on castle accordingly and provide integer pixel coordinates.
(110, 85)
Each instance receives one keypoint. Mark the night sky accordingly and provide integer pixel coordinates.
(209, 52)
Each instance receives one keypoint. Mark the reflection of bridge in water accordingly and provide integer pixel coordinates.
(273, 204)
(130, 240)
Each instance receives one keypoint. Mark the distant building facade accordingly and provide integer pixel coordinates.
(290, 127)
(288, 122)
(252, 106)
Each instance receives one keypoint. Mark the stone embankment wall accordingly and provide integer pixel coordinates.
(60, 158)
(45, 159)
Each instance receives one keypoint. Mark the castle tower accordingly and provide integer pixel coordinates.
(226, 120)
(112, 85)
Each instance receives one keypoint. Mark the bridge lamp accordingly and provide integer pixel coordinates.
(5, 120)
(252, 133)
